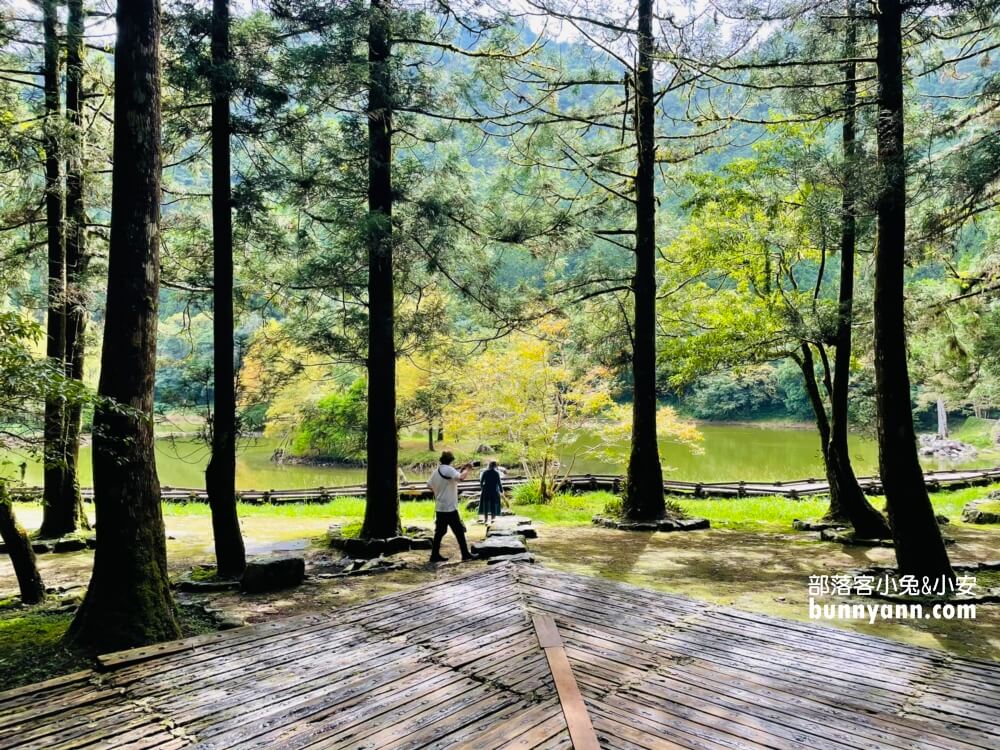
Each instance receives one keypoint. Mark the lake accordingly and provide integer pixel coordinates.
(729, 452)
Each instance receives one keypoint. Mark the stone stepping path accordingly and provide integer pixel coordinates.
(506, 540)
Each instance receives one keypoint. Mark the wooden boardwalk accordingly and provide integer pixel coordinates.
(796, 488)
(457, 664)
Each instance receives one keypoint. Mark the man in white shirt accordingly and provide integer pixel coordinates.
(444, 482)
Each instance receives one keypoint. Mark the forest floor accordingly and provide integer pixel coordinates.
(750, 559)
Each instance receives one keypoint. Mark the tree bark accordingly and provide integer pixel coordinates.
(22, 557)
(382, 506)
(847, 500)
(919, 547)
(644, 498)
(128, 602)
(57, 519)
(430, 438)
(942, 419)
(220, 475)
(807, 364)
(77, 259)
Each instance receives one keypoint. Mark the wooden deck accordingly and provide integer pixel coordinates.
(795, 488)
(457, 664)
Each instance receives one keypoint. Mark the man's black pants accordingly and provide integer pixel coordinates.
(442, 523)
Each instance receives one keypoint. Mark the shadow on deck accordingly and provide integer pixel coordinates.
(457, 664)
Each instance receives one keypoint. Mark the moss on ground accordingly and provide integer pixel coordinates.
(991, 507)
(31, 647)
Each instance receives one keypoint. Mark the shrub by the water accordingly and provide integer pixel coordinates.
(529, 493)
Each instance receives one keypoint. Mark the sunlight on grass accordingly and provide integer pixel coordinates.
(769, 512)
(412, 512)
(566, 510)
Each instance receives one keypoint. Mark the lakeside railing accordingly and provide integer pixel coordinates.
(797, 488)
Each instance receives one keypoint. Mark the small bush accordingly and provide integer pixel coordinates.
(613, 507)
(529, 493)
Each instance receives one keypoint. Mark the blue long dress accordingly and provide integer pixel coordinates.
(489, 499)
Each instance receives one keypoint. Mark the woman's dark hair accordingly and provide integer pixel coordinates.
(447, 457)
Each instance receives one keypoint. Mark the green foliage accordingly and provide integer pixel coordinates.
(335, 427)
(977, 431)
(735, 395)
(613, 507)
(529, 493)
(26, 380)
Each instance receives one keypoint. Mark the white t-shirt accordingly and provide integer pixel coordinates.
(444, 482)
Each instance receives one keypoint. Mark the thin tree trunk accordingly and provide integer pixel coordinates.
(22, 557)
(644, 484)
(847, 499)
(919, 547)
(807, 365)
(382, 506)
(220, 475)
(128, 602)
(430, 437)
(56, 518)
(77, 259)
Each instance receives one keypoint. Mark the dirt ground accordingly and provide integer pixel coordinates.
(753, 570)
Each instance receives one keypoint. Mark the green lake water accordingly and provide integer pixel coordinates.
(728, 452)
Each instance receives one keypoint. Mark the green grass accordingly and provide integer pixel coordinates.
(31, 647)
(976, 431)
(566, 510)
(771, 513)
(950, 503)
(412, 512)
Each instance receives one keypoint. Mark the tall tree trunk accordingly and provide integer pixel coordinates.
(128, 602)
(56, 518)
(942, 419)
(22, 557)
(77, 259)
(919, 547)
(382, 506)
(644, 485)
(220, 475)
(430, 437)
(847, 500)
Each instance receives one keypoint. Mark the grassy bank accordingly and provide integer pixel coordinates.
(976, 431)
(770, 513)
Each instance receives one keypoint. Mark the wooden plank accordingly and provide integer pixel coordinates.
(581, 731)
(490, 659)
(546, 631)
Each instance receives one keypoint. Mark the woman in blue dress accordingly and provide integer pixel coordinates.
(491, 486)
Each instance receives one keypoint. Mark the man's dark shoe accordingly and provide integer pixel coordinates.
(466, 558)
(438, 558)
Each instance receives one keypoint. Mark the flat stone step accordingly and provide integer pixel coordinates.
(500, 545)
